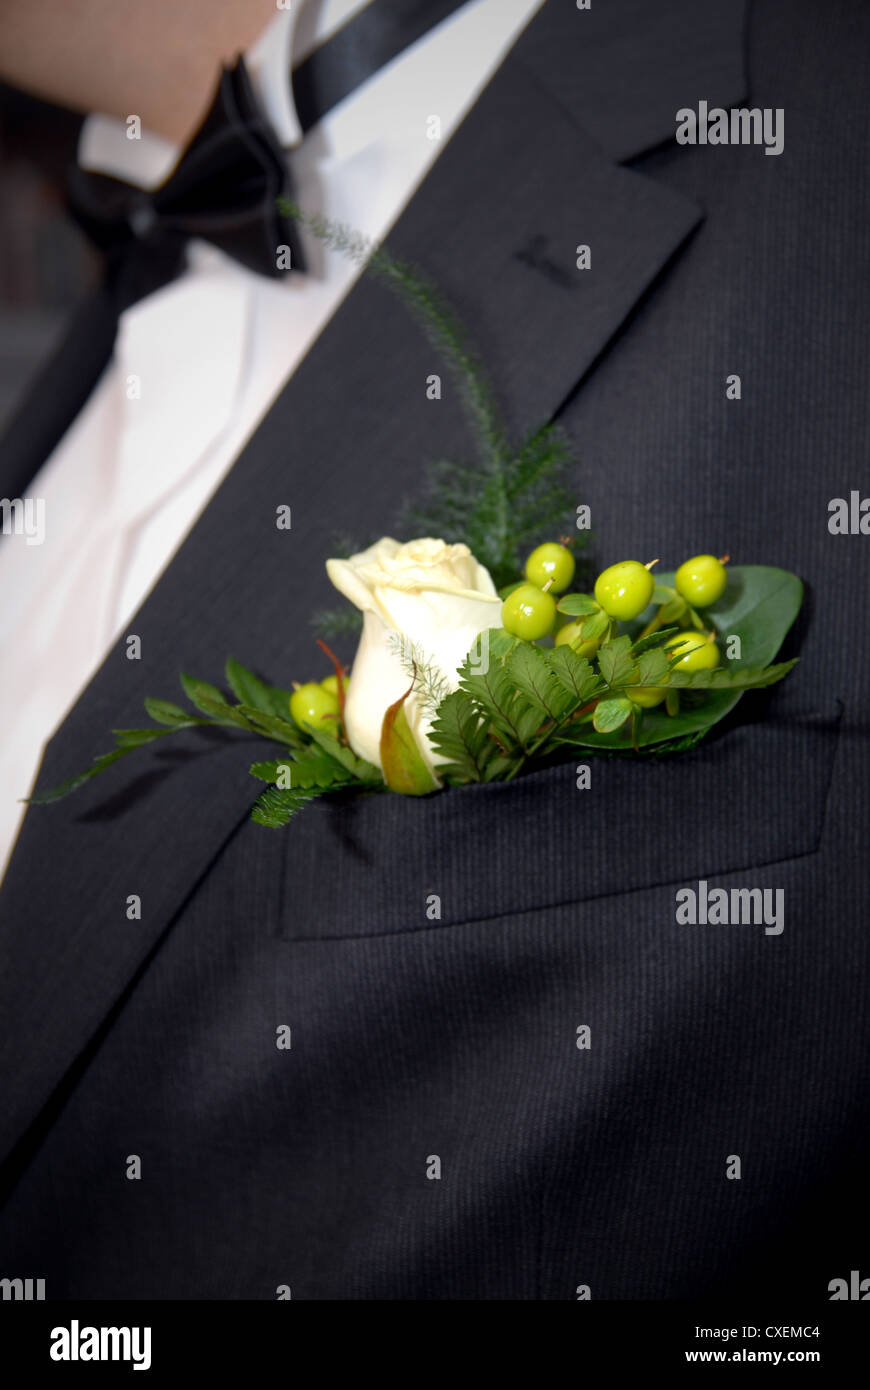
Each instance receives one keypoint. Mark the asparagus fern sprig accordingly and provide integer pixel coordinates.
(512, 494)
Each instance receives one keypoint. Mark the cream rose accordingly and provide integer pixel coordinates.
(439, 599)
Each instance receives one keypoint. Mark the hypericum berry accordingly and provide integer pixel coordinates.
(330, 684)
(647, 696)
(698, 651)
(311, 704)
(572, 635)
(624, 590)
(701, 580)
(528, 612)
(551, 561)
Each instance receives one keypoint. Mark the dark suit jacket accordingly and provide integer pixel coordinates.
(457, 1038)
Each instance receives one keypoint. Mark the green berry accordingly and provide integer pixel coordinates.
(551, 561)
(311, 704)
(528, 612)
(701, 580)
(330, 684)
(699, 652)
(647, 696)
(572, 634)
(624, 590)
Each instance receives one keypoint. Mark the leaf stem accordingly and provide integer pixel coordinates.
(653, 625)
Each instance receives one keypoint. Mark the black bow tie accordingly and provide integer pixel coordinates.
(224, 189)
(225, 186)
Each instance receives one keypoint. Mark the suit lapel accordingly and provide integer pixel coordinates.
(624, 69)
(496, 223)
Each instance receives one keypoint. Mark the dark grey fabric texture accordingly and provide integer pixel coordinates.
(456, 1037)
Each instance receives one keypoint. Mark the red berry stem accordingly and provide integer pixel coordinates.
(340, 672)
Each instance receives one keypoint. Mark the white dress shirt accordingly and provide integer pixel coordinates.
(197, 364)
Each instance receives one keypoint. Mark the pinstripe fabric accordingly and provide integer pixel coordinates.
(416, 1037)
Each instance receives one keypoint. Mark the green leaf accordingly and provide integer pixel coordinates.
(610, 715)
(250, 690)
(137, 738)
(276, 807)
(196, 691)
(527, 720)
(458, 733)
(225, 713)
(500, 768)
(620, 746)
(653, 668)
(318, 769)
(655, 639)
(405, 770)
(280, 699)
(528, 668)
(281, 730)
(358, 767)
(314, 769)
(677, 745)
(127, 741)
(268, 771)
(759, 605)
(577, 605)
(616, 662)
(575, 673)
(72, 783)
(497, 699)
(595, 626)
(738, 678)
(165, 712)
(501, 644)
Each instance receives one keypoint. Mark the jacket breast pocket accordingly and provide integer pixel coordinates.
(357, 865)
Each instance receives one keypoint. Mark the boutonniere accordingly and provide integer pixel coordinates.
(482, 654)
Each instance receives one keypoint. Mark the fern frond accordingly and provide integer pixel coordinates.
(511, 497)
(431, 684)
(275, 807)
